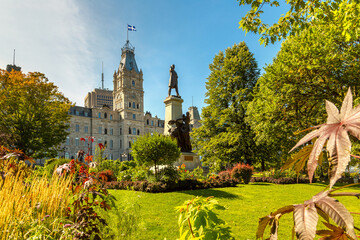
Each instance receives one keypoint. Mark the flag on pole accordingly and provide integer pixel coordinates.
(131, 28)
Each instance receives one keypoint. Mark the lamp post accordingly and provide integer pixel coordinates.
(64, 149)
(124, 155)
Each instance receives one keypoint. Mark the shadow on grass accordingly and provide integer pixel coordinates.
(212, 192)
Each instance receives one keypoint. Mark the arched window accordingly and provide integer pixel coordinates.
(133, 83)
(111, 144)
(110, 116)
(99, 115)
(105, 131)
(105, 115)
(134, 131)
(138, 132)
(120, 131)
(129, 104)
(133, 104)
(147, 121)
(137, 106)
(129, 130)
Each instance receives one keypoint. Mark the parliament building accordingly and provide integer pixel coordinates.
(115, 117)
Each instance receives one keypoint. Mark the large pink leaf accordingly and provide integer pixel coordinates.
(305, 220)
(343, 149)
(338, 213)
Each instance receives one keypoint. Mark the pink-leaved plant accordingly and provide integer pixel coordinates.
(335, 132)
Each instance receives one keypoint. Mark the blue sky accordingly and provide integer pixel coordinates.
(69, 40)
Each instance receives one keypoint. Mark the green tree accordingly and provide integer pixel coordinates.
(301, 14)
(155, 150)
(33, 114)
(317, 64)
(224, 136)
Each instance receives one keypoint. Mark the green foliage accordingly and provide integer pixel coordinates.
(155, 150)
(113, 165)
(169, 174)
(290, 96)
(136, 173)
(197, 220)
(52, 163)
(344, 14)
(34, 114)
(224, 136)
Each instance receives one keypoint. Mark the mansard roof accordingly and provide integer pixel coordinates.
(128, 57)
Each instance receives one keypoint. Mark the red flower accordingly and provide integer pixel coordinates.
(101, 146)
(82, 139)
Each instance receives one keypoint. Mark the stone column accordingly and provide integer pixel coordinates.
(173, 111)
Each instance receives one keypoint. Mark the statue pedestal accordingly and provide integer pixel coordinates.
(191, 160)
(173, 111)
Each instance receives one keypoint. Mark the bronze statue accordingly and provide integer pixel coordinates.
(173, 81)
(181, 132)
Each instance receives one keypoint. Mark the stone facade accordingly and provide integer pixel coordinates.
(99, 98)
(115, 118)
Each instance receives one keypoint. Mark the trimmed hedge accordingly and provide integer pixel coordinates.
(187, 184)
(282, 180)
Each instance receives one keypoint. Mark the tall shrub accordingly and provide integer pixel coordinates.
(155, 150)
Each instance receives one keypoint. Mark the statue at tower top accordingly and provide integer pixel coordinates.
(173, 81)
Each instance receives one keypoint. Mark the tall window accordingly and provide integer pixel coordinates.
(99, 115)
(138, 132)
(129, 130)
(133, 83)
(86, 129)
(134, 116)
(133, 104)
(137, 106)
(129, 104)
(111, 144)
(77, 142)
(134, 131)
(152, 123)
(77, 128)
(129, 144)
(147, 121)
(105, 131)
(67, 140)
(100, 130)
(105, 115)
(110, 116)
(111, 131)
(99, 140)
(120, 131)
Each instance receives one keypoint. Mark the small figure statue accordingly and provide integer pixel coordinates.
(173, 81)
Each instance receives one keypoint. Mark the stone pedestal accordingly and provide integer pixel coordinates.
(191, 160)
(173, 111)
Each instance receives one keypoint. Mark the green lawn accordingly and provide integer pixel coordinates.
(245, 204)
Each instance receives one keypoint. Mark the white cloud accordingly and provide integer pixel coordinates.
(52, 37)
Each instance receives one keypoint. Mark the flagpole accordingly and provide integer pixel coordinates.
(127, 33)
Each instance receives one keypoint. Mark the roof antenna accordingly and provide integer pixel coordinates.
(14, 58)
(102, 75)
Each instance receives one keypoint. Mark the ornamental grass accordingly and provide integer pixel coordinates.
(23, 202)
